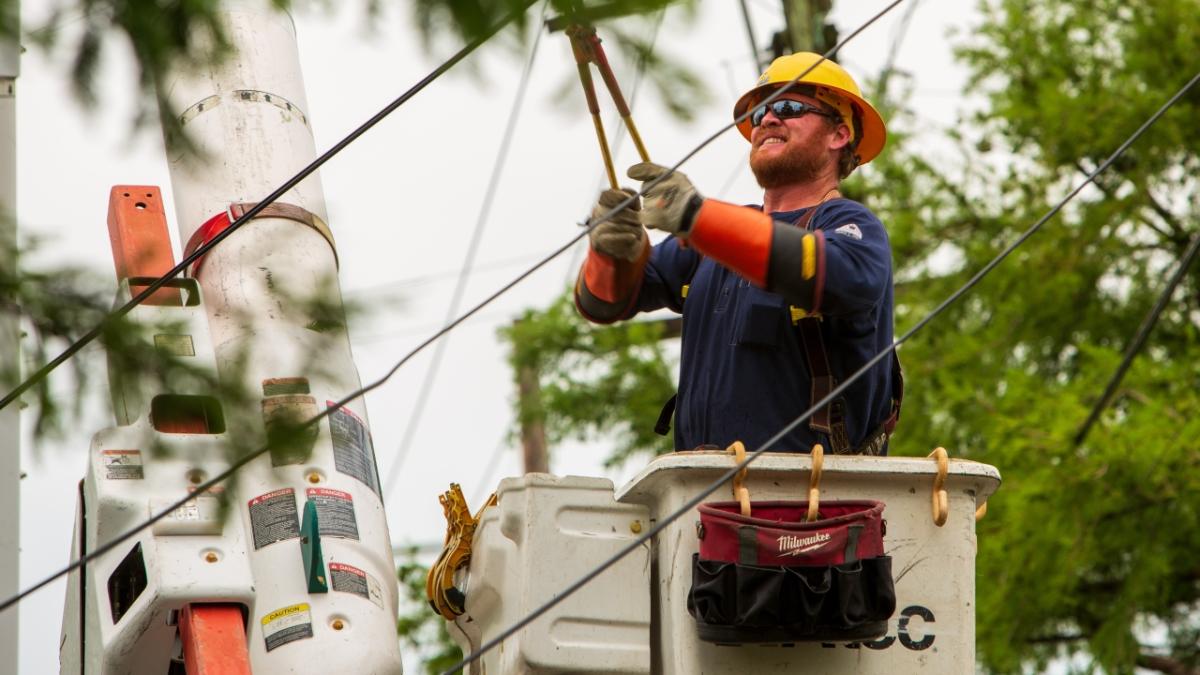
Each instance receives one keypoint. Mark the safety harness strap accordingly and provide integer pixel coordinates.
(829, 419)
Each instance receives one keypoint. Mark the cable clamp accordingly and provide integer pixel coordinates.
(222, 221)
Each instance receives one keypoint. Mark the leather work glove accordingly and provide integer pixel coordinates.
(671, 205)
(620, 236)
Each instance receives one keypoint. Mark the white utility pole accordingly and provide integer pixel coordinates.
(10, 351)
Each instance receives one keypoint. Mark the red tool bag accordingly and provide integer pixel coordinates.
(772, 577)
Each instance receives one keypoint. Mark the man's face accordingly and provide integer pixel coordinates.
(794, 150)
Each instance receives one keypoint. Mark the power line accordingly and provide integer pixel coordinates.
(238, 464)
(257, 209)
(837, 391)
(435, 277)
(1139, 339)
(460, 286)
(758, 63)
(224, 475)
(587, 226)
(894, 50)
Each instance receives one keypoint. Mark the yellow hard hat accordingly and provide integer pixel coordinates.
(834, 86)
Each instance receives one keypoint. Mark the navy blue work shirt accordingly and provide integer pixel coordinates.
(743, 375)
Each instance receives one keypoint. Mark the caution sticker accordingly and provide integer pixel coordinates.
(335, 512)
(273, 517)
(177, 345)
(353, 453)
(348, 579)
(122, 464)
(287, 625)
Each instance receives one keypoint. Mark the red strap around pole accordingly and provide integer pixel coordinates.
(214, 640)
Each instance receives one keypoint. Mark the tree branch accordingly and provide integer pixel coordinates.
(1164, 664)
(1110, 193)
(1054, 639)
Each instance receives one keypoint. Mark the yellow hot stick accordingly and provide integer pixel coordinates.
(608, 160)
(589, 93)
(614, 90)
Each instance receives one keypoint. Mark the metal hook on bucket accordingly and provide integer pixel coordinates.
(814, 483)
(740, 492)
(940, 498)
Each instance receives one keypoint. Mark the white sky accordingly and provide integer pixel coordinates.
(402, 203)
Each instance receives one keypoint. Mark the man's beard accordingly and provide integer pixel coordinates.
(801, 163)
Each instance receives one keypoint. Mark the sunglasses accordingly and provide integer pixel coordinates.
(786, 109)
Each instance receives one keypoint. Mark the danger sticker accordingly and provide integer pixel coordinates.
(273, 517)
(122, 464)
(353, 453)
(287, 625)
(348, 579)
(335, 512)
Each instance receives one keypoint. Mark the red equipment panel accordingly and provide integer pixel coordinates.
(214, 640)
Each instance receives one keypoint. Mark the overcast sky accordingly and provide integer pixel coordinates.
(402, 203)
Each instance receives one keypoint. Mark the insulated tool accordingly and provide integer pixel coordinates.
(587, 49)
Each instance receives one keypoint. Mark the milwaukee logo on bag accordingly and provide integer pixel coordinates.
(772, 577)
(791, 545)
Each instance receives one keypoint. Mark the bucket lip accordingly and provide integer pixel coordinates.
(668, 469)
(731, 511)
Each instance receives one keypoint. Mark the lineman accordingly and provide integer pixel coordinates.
(781, 302)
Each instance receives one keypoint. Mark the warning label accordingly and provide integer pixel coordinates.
(353, 453)
(122, 464)
(287, 625)
(189, 511)
(335, 512)
(273, 517)
(347, 579)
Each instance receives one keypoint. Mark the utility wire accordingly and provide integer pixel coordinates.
(837, 391)
(233, 468)
(460, 287)
(758, 62)
(238, 464)
(394, 286)
(894, 50)
(587, 227)
(1139, 340)
(257, 209)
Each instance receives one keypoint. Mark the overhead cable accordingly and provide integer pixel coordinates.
(1139, 339)
(724, 479)
(754, 51)
(460, 286)
(588, 225)
(256, 210)
(224, 475)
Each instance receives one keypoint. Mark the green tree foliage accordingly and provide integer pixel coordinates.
(1088, 550)
(169, 36)
(1085, 544)
(596, 381)
(422, 629)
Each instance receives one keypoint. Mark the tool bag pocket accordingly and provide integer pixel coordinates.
(772, 577)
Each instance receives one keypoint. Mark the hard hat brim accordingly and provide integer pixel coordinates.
(874, 131)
